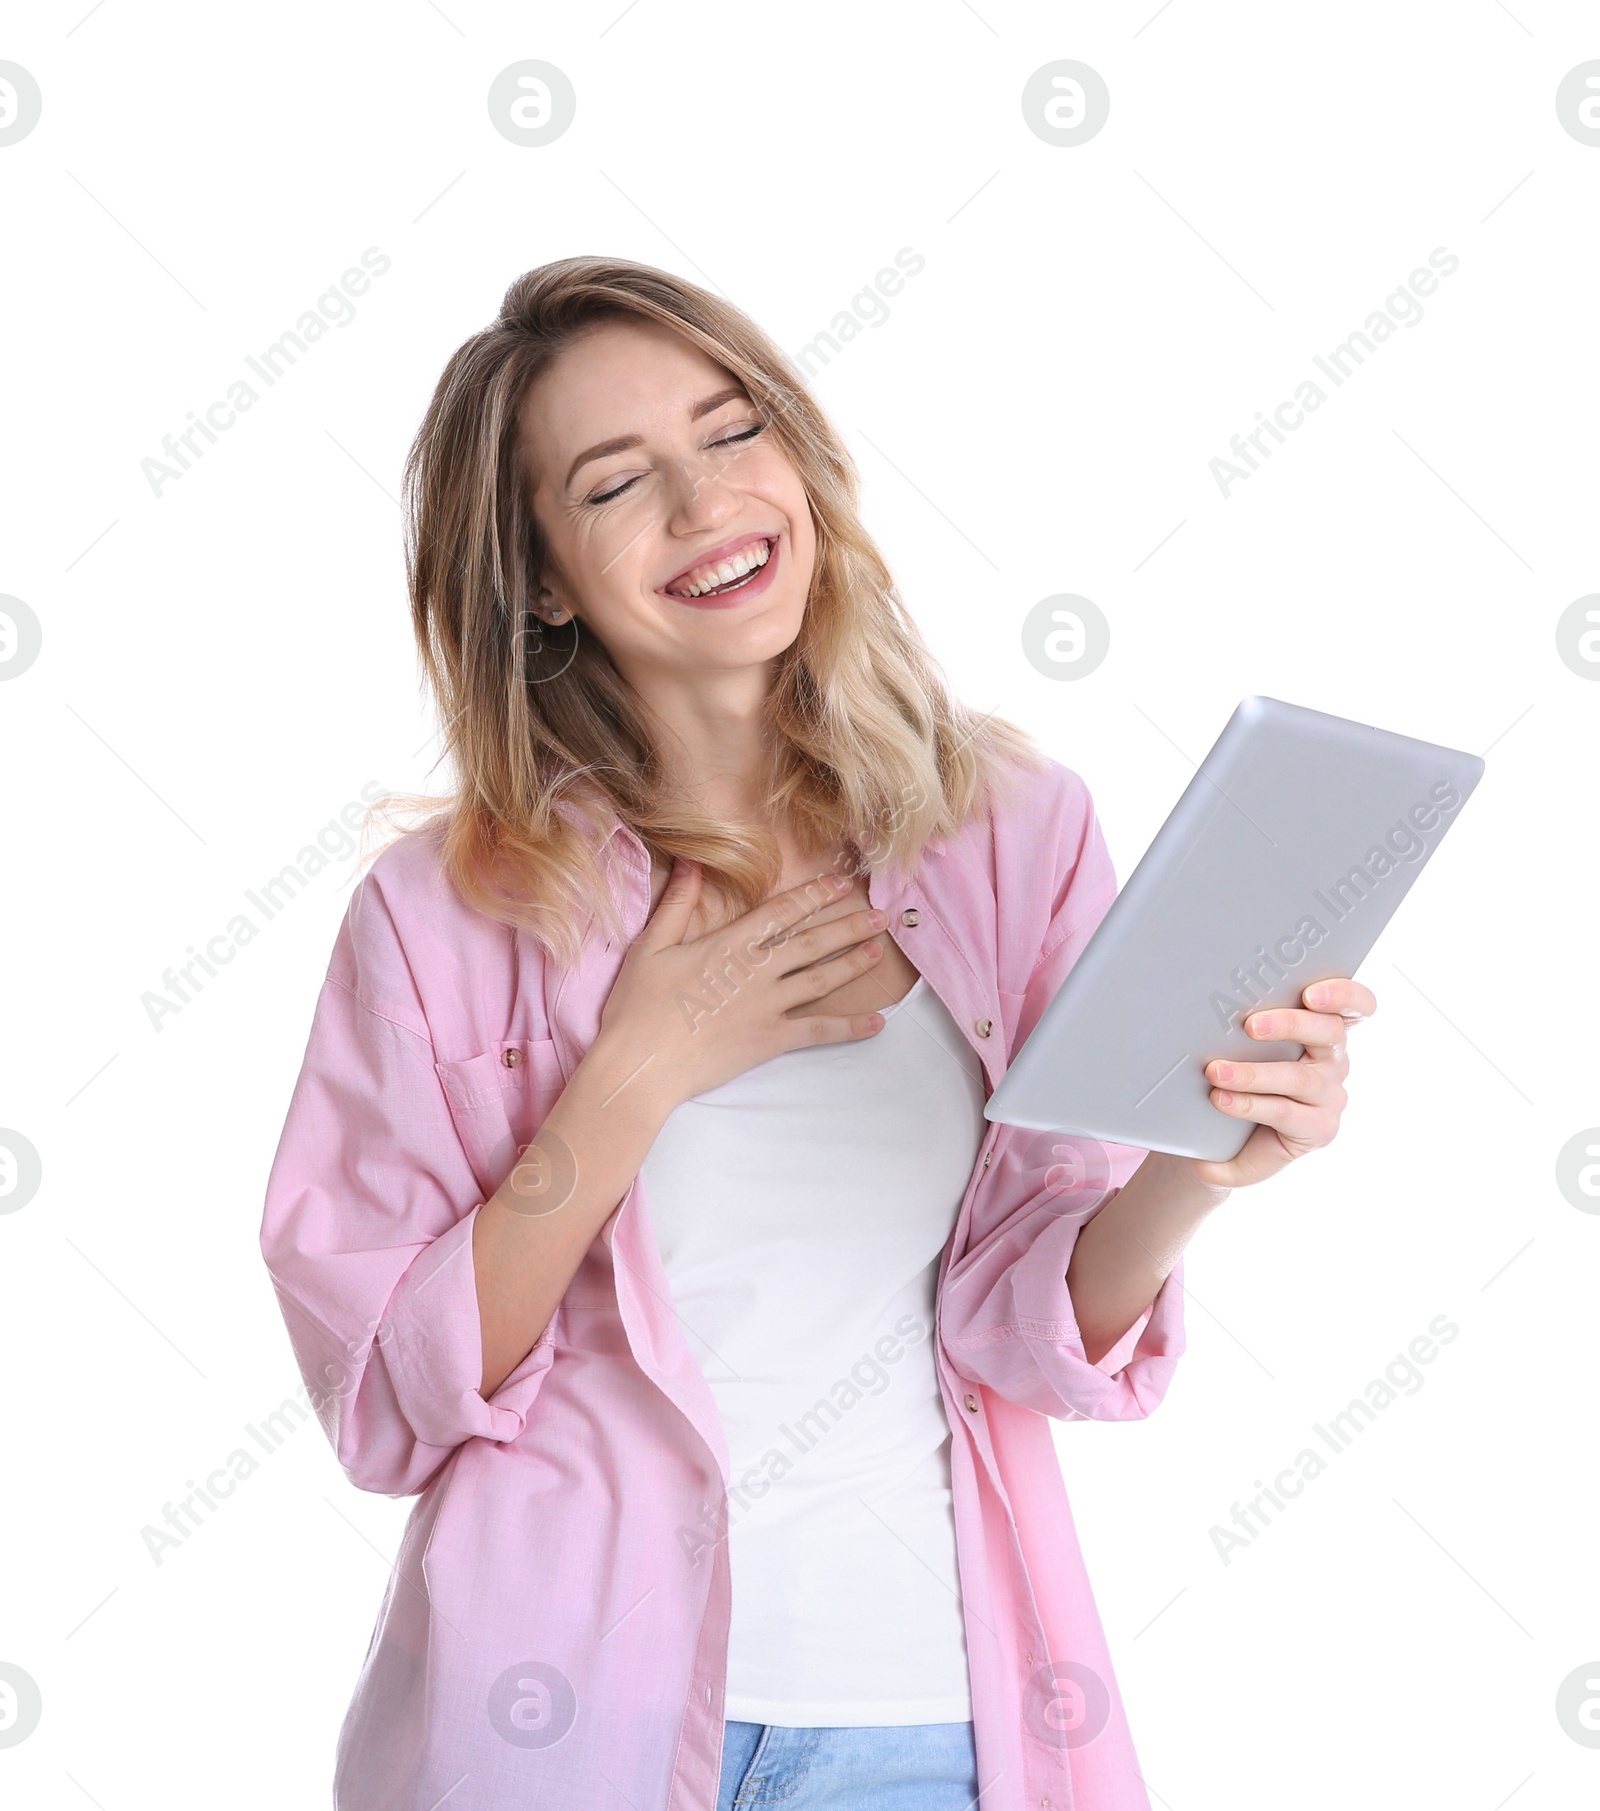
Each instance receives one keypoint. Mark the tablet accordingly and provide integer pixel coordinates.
(1288, 853)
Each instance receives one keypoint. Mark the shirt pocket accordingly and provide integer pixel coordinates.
(498, 1100)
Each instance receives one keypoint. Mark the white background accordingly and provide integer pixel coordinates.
(224, 666)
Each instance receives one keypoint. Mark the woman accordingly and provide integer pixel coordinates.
(635, 1209)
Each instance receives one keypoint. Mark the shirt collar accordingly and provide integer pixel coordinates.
(885, 884)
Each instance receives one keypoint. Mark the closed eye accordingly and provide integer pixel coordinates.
(749, 433)
(757, 427)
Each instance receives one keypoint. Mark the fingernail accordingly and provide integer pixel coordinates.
(1261, 1025)
(1316, 996)
(1224, 1071)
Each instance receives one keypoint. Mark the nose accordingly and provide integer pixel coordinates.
(702, 491)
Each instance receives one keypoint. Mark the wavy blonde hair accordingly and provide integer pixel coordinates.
(869, 750)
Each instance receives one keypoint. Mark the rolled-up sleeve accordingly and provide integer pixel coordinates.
(367, 1229)
(1006, 1314)
(1009, 1324)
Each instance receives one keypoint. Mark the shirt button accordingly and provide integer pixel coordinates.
(971, 1402)
(911, 916)
(511, 1058)
(984, 1027)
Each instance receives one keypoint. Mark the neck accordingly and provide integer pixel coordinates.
(708, 729)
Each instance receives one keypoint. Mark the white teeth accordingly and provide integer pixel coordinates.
(706, 578)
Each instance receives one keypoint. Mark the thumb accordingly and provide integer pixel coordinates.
(670, 919)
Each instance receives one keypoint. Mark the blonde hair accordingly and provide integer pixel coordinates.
(869, 749)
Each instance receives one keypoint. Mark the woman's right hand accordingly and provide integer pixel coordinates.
(686, 1014)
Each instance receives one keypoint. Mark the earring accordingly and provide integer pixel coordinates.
(554, 613)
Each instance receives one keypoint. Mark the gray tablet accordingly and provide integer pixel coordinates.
(1288, 853)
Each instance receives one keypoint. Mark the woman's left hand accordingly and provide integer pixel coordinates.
(1296, 1104)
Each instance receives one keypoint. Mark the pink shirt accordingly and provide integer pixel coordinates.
(556, 1630)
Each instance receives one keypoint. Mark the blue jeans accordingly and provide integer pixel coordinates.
(897, 1767)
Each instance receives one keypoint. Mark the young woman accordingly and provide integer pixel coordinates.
(635, 1209)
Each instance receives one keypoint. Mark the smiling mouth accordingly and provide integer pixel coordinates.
(741, 570)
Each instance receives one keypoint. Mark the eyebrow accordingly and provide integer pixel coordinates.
(621, 444)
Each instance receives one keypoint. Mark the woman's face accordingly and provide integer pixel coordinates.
(650, 471)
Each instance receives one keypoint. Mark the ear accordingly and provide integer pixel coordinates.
(550, 607)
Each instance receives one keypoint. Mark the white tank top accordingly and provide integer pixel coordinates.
(801, 1210)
